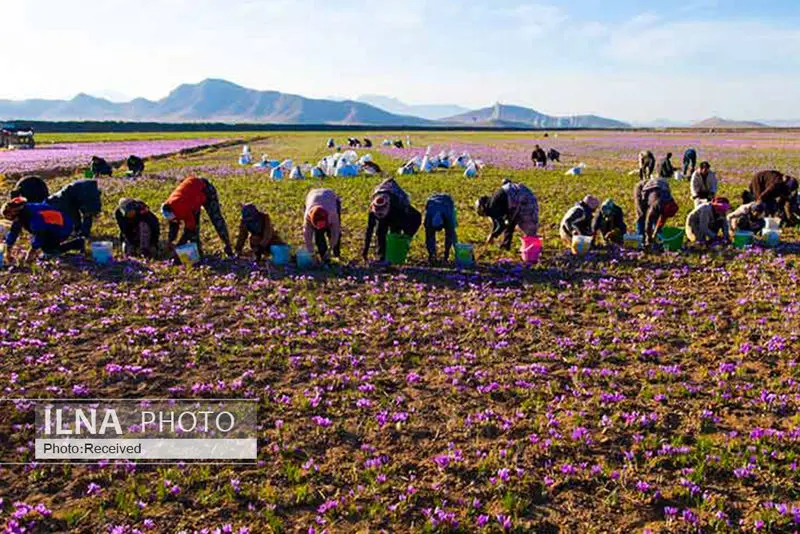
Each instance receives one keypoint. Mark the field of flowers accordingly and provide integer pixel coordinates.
(71, 155)
(623, 392)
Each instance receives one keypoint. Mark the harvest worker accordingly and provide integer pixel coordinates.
(689, 161)
(138, 228)
(100, 167)
(32, 189)
(747, 218)
(654, 205)
(49, 227)
(705, 222)
(554, 155)
(665, 167)
(539, 157)
(610, 223)
(647, 164)
(776, 191)
(512, 205)
(258, 226)
(578, 219)
(80, 200)
(440, 214)
(183, 206)
(322, 223)
(703, 185)
(390, 210)
(135, 165)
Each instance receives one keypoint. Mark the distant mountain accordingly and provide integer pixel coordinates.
(426, 111)
(210, 100)
(502, 116)
(717, 122)
(790, 123)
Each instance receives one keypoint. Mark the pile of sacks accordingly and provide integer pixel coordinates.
(347, 164)
(445, 160)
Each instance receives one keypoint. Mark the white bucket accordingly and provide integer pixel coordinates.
(581, 245)
(772, 224)
(102, 252)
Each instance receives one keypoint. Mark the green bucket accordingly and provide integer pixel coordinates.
(672, 238)
(88, 174)
(465, 254)
(742, 239)
(397, 247)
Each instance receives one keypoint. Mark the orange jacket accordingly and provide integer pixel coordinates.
(187, 199)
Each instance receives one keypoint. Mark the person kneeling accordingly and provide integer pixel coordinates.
(258, 227)
(609, 223)
(138, 228)
(322, 223)
(578, 219)
(706, 221)
(747, 218)
(50, 228)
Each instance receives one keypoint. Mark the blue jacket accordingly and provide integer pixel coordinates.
(42, 221)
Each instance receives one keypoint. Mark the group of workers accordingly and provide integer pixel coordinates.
(63, 221)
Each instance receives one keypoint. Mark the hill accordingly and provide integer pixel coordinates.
(718, 122)
(504, 116)
(426, 111)
(210, 100)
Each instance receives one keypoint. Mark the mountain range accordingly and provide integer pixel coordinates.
(215, 100)
(426, 111)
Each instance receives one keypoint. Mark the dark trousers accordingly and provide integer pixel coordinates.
(408, 225)
(322, 237)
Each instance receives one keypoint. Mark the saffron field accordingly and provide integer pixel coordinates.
(622, 392)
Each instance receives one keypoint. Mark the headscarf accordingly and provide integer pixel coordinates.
(13, 207)
(252, 218)
(481, 205)
(721, 205)
(318, 217)
(608, 207)
(380, 205)
(591, 202)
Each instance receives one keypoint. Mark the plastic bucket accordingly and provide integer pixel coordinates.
(772, 224)
(397, 247)
(581, 245)
(189, 254)
(305, 259)
(770, 238)
(633, 241)
(280, 254)
(465, 254)
(88, 173)
(672, 238)
(531, 248)
(102, 251)
(743, 239)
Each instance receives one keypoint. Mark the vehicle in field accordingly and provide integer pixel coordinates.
(15, 137)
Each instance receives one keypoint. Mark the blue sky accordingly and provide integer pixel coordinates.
(623, 59)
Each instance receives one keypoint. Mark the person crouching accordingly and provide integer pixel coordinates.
(322, 224)
(705, 222)
(257, 226)
(139, 230)
(49, 227)
(578, 219)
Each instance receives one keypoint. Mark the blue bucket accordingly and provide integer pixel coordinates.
(280, 254)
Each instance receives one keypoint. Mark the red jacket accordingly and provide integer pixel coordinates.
(186, 201)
